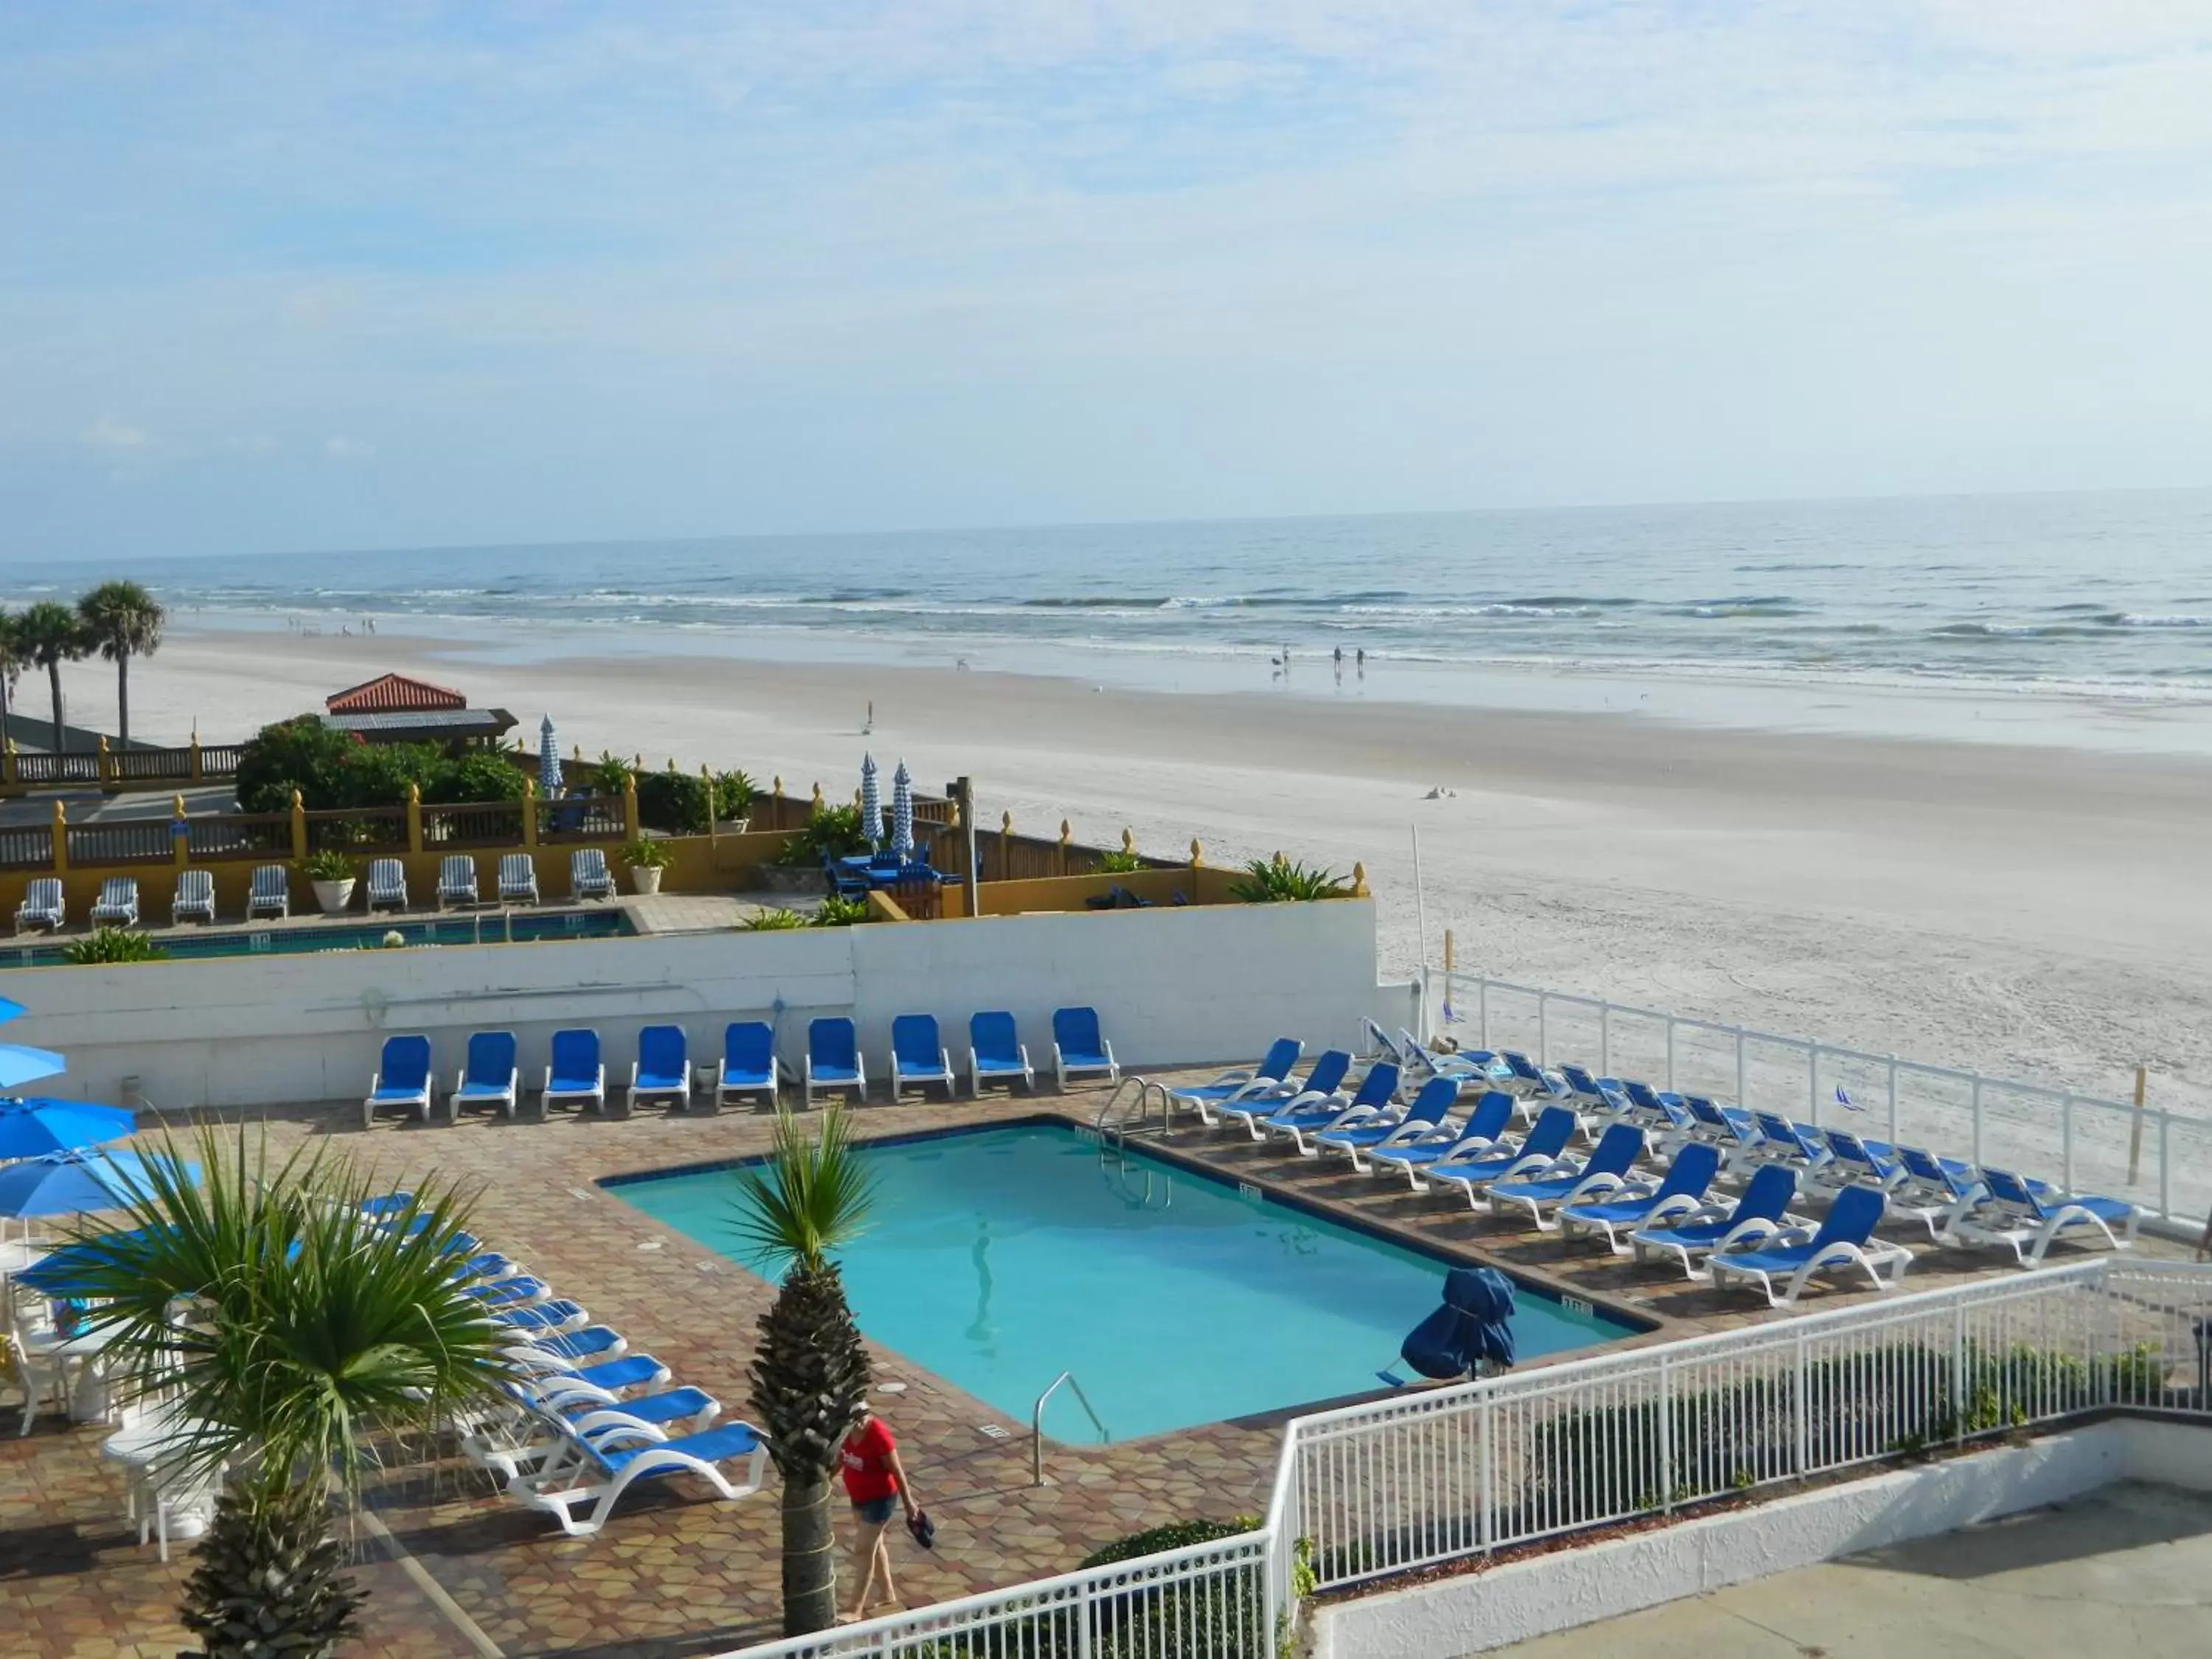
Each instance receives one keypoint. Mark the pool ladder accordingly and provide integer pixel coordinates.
(1128, 1110)
(1037, 1424)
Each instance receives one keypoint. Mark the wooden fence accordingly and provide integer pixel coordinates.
(118, 770)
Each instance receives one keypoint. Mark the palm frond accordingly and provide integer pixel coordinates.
(810, 1197)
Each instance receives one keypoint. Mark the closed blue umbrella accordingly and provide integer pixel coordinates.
(548, 761)
(20, 1064)
(871, 803)
(902, 813)
(35, 1127)
(65, 1183)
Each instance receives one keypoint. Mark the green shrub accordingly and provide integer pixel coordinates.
(838, 911)
(1120, 861)
(774, 921)
(114, 945)
(326, 866)
(833, 832)
(611, 774)
(1278, 879)
(481, 774)
(301, 754)
(645, 854)
(333, 770)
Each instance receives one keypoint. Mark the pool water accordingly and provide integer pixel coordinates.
(998, 1258)
(516, 926)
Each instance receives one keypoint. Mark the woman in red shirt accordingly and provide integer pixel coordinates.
(876, 1482)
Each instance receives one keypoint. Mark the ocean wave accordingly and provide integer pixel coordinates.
(1741, 604)
(1569, 610)
(2121, 619)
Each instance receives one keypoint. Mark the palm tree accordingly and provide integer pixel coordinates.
(275, 1311)
(810, 1374)
(49, 635)
(11, 664)
(126, 621)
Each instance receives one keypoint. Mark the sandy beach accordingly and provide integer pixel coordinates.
(2034, 912)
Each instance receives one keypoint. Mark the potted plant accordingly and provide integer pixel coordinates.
(732, 803)
(645, 861)
(331, 873)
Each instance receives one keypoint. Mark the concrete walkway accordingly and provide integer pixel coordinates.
(2127, 1571)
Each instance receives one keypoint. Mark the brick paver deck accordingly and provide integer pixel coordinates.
(675, 1573)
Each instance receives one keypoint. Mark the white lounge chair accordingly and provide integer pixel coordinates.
(488, 1077)
(1845, 1240)
(195, 899)
(577, 1075)
(833, 1058)
(118, 903)
(518, 878)
(1077, 1046)
(2011, 1215)
(996, 1054)
(42, 905)
(748, 1063)
(588, 875)
(594, 1467)
(270, 894)
(388, 885)
(457, 880)
(918, 1057)
(402, 1081)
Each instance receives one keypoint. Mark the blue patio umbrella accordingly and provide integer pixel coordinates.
(548, 761)
(871, 803)
(64, 1183)
(8, 1009)
(902, 813)
(35, 1127)
(20, 1064)
(58, 1273)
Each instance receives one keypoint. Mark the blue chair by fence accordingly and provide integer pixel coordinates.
(1079, 1048)
(749, 1062)
(662, 1070)
(996, 1053)
(833, 1058)
(918, 1057)
(402, 1081)
(577, 1073)
(489, 1076)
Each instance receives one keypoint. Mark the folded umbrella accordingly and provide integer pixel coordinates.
(64, 1183)
(20, 1064)
(36, 1127)
(1473, 1327)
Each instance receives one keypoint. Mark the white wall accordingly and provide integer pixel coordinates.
(1172, 986)
(1536, 1596)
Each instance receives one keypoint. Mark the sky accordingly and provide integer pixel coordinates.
(304, 276)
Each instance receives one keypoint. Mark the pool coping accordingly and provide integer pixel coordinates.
(1639, 1325)
(333, 928)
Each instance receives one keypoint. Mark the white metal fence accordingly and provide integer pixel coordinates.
(2160, 1161)
(1444, 1474)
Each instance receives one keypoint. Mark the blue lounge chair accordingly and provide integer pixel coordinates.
(996, 1054)
(1527, 1082)
(401, 1082)
(388, 885)
(1372, 1099)
(1852, 1162)
(1639, 1204)
(1846, 1239)
(269, 893)
(489, 1076)
(1731, 1128)
(1932, 1189)
(118, 904)
(1079, 1047)
(1426, 1115)
(918, 1058)
(195, 899)
(509, 1292)
(1593, 1097)
(1782, 1141)
(1759, 1213)
(748, 1063)
(42, 905)
(1548, 1138)
(457, 880)
(576, 1074)
(551, 1316)
(1660, 1110)
(1482, 1133)
(833, 1058)
(590, 1472)
(518, 878)
(2011, 1213)
(1540, 1192)
(592, 1342)
(1252, 1104)
(662, 1070)
(517, 1444)
(1240, 1084)
(588, 875)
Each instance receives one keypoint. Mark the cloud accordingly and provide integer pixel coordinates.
(347, 449)
(111, 434)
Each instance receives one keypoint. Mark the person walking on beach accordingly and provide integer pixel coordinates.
(876, 1482)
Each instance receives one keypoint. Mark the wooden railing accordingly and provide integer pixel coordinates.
(118, 769)
(141, 841)
(489, 823)
(28, 847)
(583, 818)
(358, 830)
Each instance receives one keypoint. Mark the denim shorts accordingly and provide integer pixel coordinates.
(877, 1511)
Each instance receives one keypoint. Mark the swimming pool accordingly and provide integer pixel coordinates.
(490, 927)
(1000, 1257)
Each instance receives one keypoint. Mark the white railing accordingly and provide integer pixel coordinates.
(2160, 1161)
(1444, 1474)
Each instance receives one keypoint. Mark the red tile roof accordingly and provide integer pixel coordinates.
(393, 693)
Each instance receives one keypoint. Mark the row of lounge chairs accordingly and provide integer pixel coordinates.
(1652, 1184)
(584, 1418)
(269, 892)
(575, 1074)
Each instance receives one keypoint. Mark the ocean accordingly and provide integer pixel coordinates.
(2105, 597)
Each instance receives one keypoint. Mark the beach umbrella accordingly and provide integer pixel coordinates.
(64, 1183)
(548, 761)
(871, 802)
(35, 1127)
(902, 813)
(20, 1064)
(59, 1271)
(8, 1009)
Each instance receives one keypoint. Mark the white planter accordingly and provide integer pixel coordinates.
(644, 880)
(334, 896)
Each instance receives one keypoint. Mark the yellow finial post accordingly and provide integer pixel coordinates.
(299, 826)
(1197, 854)
(61, 838)
(414, 818)
(529, 813)
(1066, 834)
(1359, 881)
(1128, 844)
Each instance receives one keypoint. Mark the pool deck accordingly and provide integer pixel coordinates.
(675, 1573)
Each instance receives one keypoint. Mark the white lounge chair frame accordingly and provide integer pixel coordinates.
(594, 1098)
(504, 1099)
(195, 899)
(576, 1475)
(943, 1075)
(43, 906)
(269, 892)
(1870, 1259)
(388, 885)
(117, 905)
(588, 875)
(457, 880)
(2026, 1238)
(518, 878)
